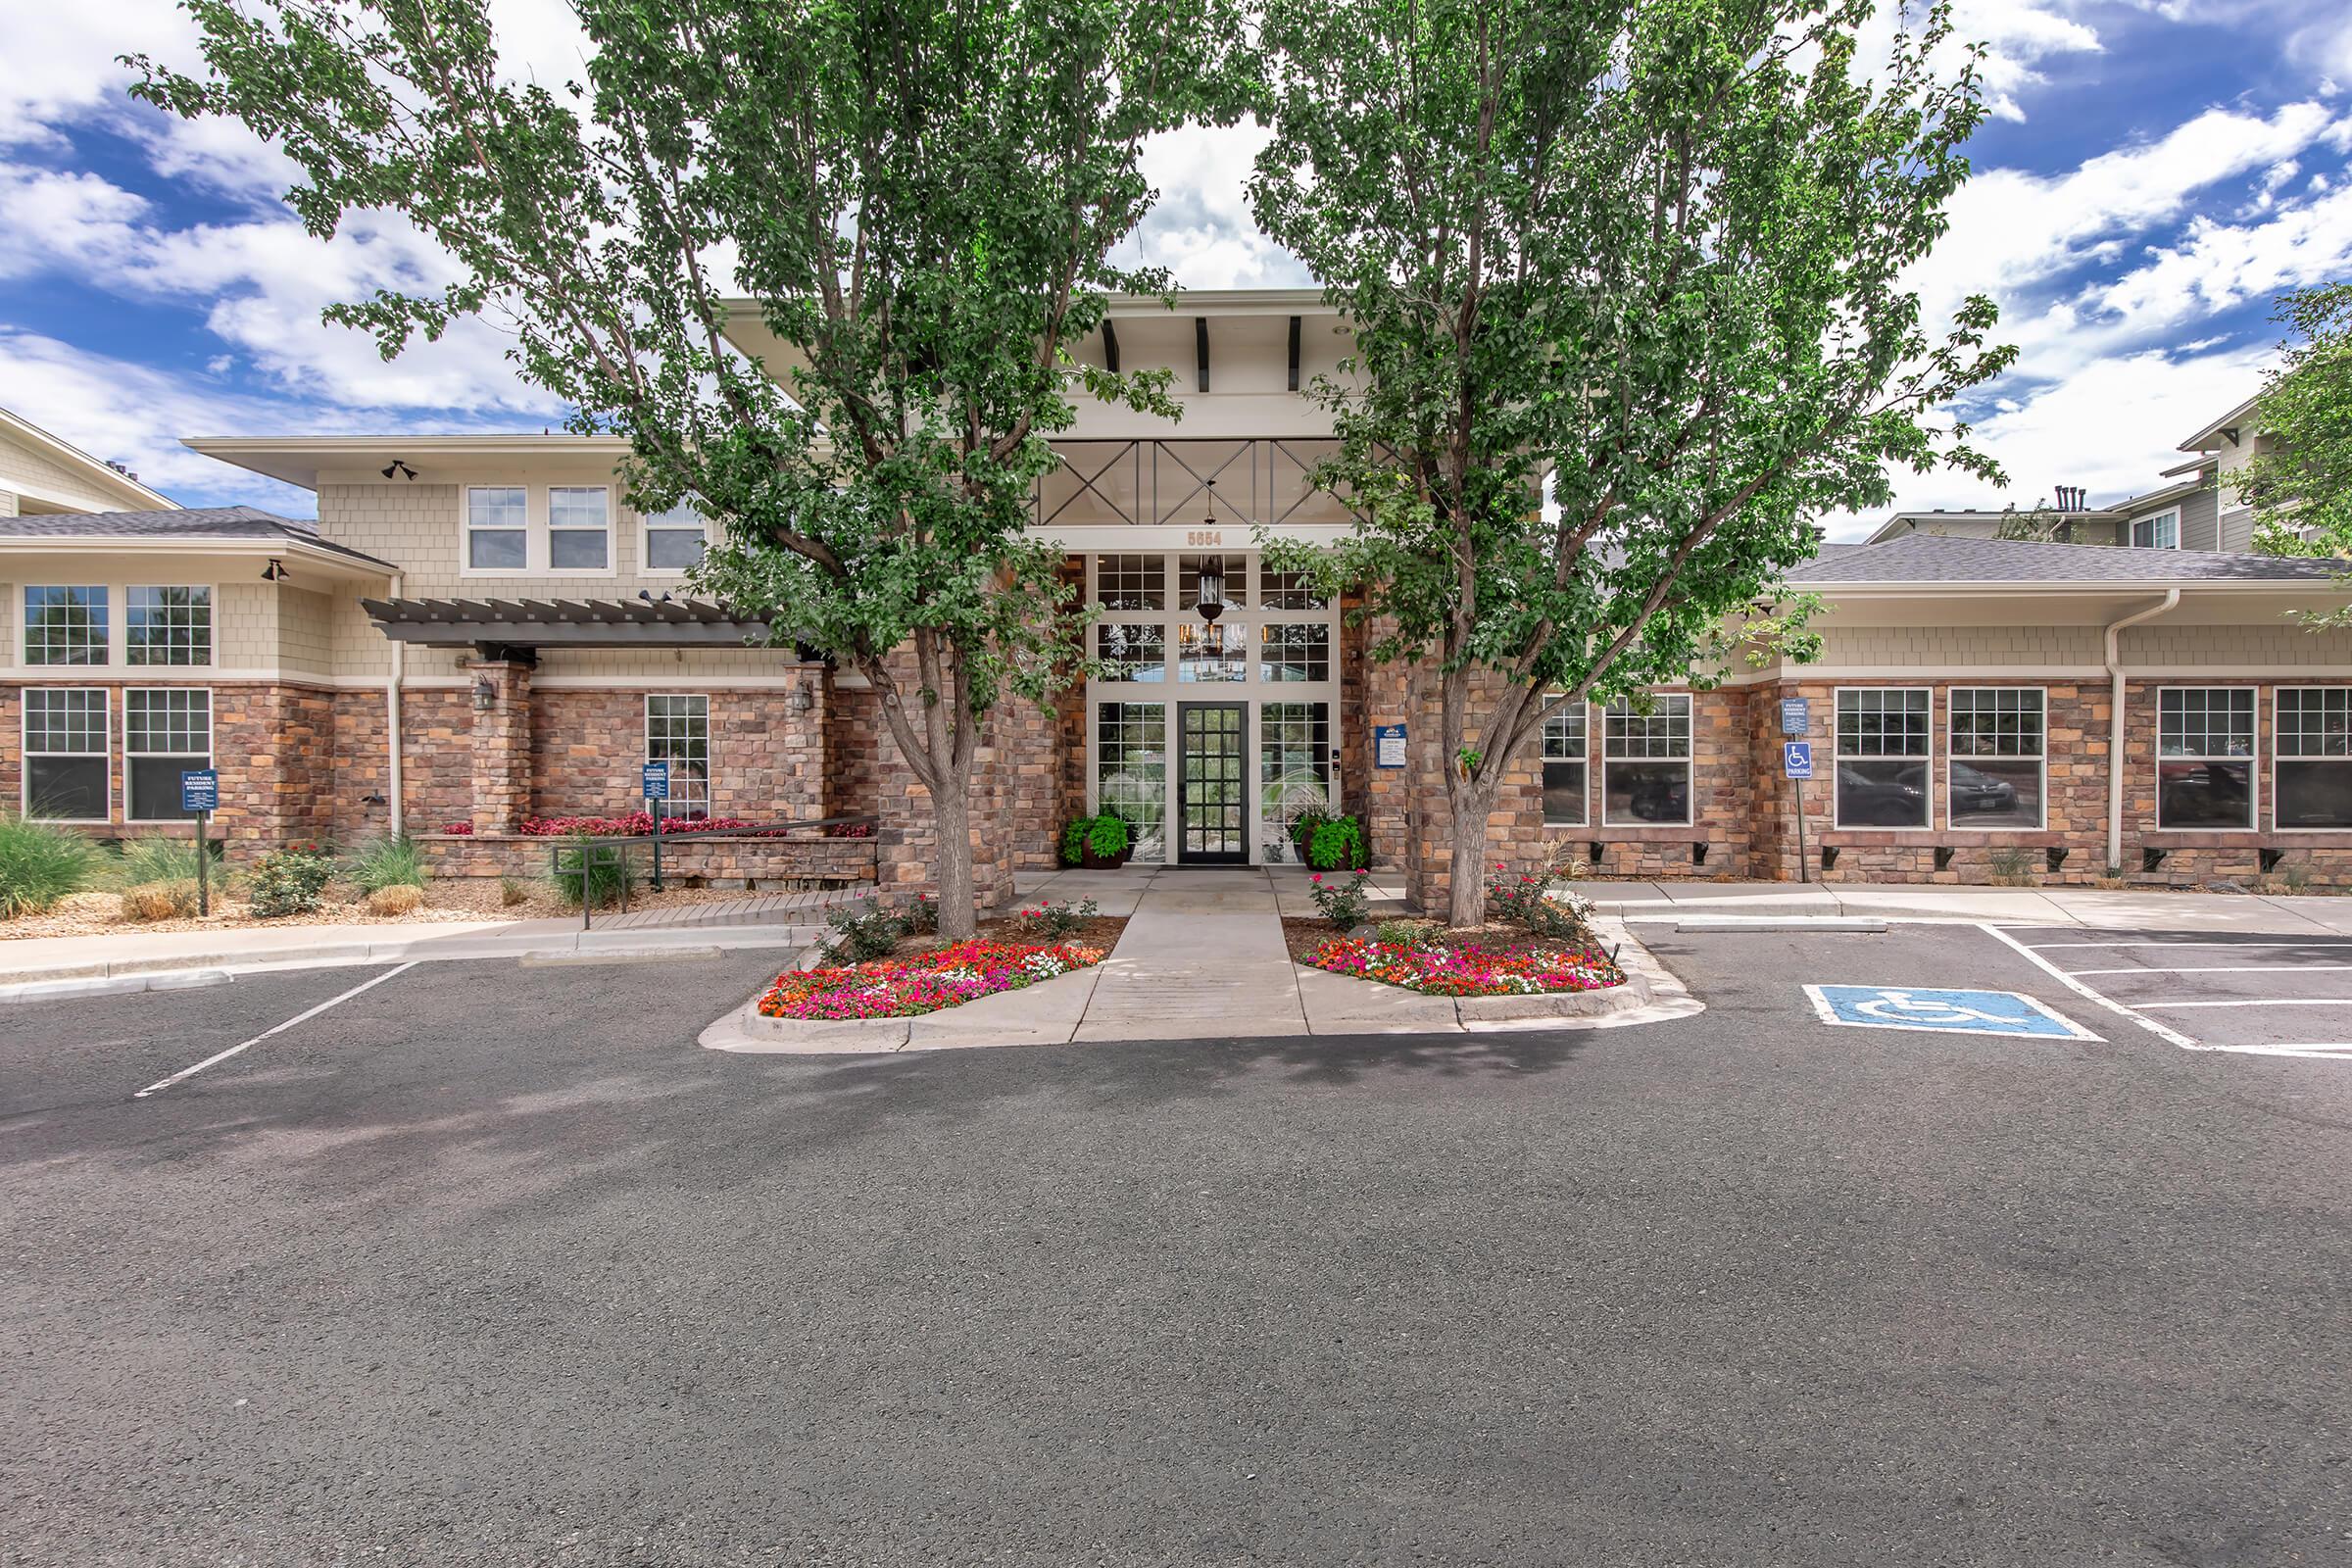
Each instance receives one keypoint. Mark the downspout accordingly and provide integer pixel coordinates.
(400, 663)
(2115, 719)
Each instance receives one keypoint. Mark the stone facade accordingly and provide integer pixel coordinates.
(787, 865)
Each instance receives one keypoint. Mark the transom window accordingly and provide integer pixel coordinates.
(2205, 757)
(1204, 652)
(168, 625)
(1645, 762)
(579, 527)
(166, 731)
(1563, 753)
(498, 534)
(64, 625)
(1130, 582)
(677, 731)
(2312, 771)
(1995, 775)
(1295, 650)
(65, 752)
(2159, 531)
(1133, 650)
(675, 540)
(1883, 750)
(1230, 570)
(1286, 590)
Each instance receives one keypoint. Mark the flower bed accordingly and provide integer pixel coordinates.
(637, 824)
(926, 982)
(1466, 969)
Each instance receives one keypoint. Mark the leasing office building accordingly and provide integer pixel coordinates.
(478, 630)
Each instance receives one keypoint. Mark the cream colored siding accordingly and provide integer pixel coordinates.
(8, 502)
(1896, 647)
(23, 472)
(2222, 649)
(305, 633)
(359, 651)
(245, 625)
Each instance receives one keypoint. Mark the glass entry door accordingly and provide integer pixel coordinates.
(1212, 784)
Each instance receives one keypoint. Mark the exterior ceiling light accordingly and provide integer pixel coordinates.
(1210, 599)
(275, 571)
(396, 465)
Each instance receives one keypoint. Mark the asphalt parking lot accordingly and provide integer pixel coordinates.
(492, 1264)
(2265, 995)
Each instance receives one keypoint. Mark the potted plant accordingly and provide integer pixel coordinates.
(1338, 843)
(1107, 843)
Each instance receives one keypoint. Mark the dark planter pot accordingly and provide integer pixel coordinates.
(1102, 863)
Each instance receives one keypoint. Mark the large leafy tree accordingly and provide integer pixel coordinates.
(919, 198)
(2299, 481)
(1649, 252)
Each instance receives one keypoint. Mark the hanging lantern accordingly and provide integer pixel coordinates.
(1210, 599)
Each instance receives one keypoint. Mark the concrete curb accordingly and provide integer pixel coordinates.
(630, 942)
(113, 985)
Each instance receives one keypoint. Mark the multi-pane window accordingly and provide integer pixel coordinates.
(1997, 756)
(65, 753)
(674, 540)
(64, 625)
(1228, 574)
(167, 731)
(2161, 531)
(2205, 757)
(579, 527)
(1563, 753)
(168, 625)
(1130, 582)
(2311, 765)
(1645, 762)
(677, 731)
(1294, 773)
(1130, 650)
(1295, 650)
(497, 528)
(1883, 748)
(1206, 653)
(1286, 590)
(1131, 771)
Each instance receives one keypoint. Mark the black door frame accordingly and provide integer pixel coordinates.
(1186, 855)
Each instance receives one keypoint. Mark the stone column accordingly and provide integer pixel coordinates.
(502, 746)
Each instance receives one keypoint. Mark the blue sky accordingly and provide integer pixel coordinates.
(2155, 173)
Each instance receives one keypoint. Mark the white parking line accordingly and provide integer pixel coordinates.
(2160, 1031)
(2219, 942)
(2222, 969)
(2257, 1001)
(300, 1017)
(2343, 1053)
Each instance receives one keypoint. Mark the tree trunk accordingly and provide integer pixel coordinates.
(1469, 803)
(952, 859)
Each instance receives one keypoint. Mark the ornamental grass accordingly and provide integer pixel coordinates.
(1466, 969)
(924, 982)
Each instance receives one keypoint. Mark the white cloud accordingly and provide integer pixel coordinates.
(1200, 228)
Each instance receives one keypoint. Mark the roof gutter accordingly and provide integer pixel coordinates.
(2115, 718)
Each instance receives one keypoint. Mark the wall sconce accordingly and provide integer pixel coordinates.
(803, 699)
(275, 571)
(396, 465)
(485, 695)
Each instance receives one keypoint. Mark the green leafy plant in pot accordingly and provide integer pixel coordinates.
(1098, 843)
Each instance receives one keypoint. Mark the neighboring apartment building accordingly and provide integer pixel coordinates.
(40, 473)
(2200, 506)
(479, 629)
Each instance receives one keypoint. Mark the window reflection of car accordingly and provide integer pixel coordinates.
(1974, 790)
(1661, 797)
(1873, 802)
(2211, 792)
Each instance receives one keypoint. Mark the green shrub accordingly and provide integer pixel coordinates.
(608, 875)
(920, 917)
(40, 863)
(866, 931)
(136, 862)
(386, 863)
(513, 890)
(1413, 935)
(2012, 868)
(1106, 835)
(1336, 845)
(1525, 899)
(1345, 902)
(290, 881)
(1051, 923)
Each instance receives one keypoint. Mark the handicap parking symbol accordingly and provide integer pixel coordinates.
(1971, 1013)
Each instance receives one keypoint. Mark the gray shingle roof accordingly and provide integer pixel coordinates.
(189, 525)
(1918, 558)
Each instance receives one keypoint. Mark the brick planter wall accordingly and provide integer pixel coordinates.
(688, 858)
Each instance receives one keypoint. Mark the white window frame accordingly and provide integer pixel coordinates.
(1584, 758)
(211, 719)
(212, 595)
(2252, 760)
(109, 650)
(1689, 762)
(531, 553)
(547, 493)
(1951, 755)
(647, 527)
(709, 749)
(2170, 514)
(26, 754)
(2278, 752)
(1838, 756)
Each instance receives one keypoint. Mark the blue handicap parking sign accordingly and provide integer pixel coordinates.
(1796, 757)
(1968, 1012)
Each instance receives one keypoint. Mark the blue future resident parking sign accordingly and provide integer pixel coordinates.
(1968, 1012)
(199, 791)
(657, 781)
